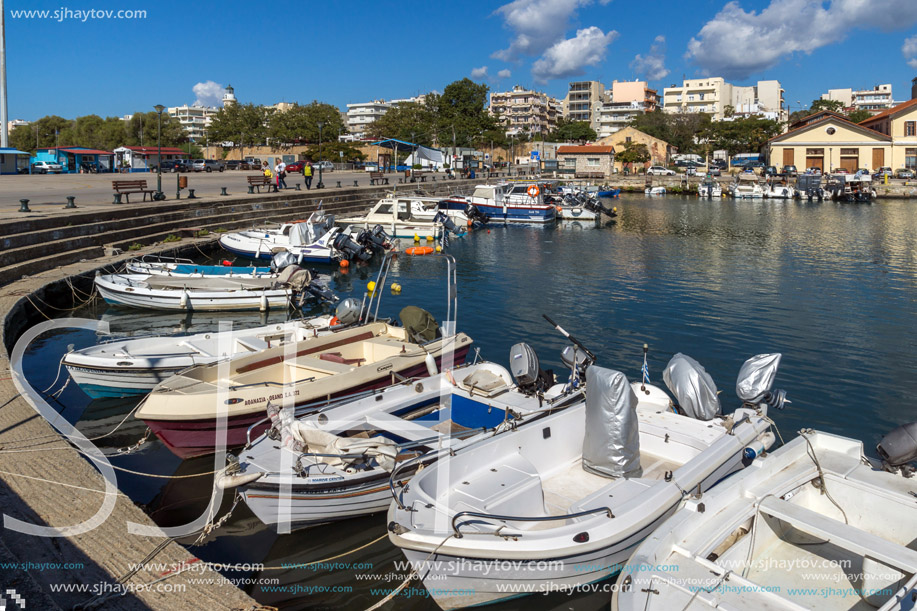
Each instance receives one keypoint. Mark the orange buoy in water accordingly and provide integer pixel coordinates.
(559, 208)
(470, 222)
(345, 263)
(419, 250)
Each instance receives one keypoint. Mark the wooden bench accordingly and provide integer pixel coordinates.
(256, 182)
(126, 187)
(418, 175)
(374, 176)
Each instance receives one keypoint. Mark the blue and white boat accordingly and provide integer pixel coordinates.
(189, 269)
(512, 203)
(310, 241)
(609, 193)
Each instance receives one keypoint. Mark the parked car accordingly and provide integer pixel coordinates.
(214, 165)
(789, 171)
(254, 163)
(233, 164)
(904, 173)
(172, 165)
(658, 170)
(327, 166)
(841, 171)
(770, 171)
(714, 170)
(296, 167)
(813, 170)
(882, 172)
(46, 167)
(722, 164)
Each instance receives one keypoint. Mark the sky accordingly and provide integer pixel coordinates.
(72, 64)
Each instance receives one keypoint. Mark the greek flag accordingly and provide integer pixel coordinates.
(646, 372)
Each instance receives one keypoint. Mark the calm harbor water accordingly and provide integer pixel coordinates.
(831, 286)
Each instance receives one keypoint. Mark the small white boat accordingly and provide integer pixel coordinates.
(709, 188)
(746, 186)
(779, 191)
(855, 188)
(155, 266)
(563, 501)
(814, 525)
(655, 191)
(311, 241)
(338, 463)
(395, 215)
(575, 213)
(133, 366)
(211, 293)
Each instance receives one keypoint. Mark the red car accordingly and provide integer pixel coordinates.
(295, 167)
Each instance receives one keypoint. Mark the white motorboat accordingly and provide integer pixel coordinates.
(212, 293)
(709, 188)
(158, 266)
(338, 463)
(746, 186)
(563, 502)
(513, 203)
(850, 187)
(779, 191)
(654, 191)
(814, 525)
(575, 213)
(133, 366)
(310, 241)
(395, 215)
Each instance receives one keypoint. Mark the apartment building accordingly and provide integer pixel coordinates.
(195, 119)
(361, 115)
(623, 100)
(525, 110)
(581, 101)
(876, 99)
(713, 94)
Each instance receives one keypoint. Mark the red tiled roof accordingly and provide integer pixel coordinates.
(815, 114)
(890, 111)
(832, 116)
(82, 151)
(571, 150)
(148, 150)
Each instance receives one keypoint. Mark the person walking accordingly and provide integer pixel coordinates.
(280, 171)
(266, 170)
(307, 174)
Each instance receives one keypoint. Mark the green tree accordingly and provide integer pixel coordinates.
(832, 105)
(331, 151)
(572, 131)
(461, 113)
(729, 110)
(657, 124)
(300, 124)
(41, 133)
(633, 153)
(858, 115)
(242, 124)
(410, 122)
(746, 135)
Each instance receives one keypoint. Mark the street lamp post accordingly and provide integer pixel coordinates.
(320, 184)
(159, 195)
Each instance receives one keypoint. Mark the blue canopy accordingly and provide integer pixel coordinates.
(394, 144)
(11, 151)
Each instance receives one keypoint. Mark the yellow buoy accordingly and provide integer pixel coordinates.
(416, 238)
(371, 286)
(439, 248)
(396, 288)
(429, 238)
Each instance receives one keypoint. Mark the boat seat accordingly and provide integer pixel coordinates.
(335, 357)
(194, 350)
(483, 382)
(311, 364)
(254, 344)
(842, 535)
(448, 427)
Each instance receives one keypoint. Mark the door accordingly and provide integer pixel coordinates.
(788, 157)
(850, 164)
(878, 158)
(815, 162)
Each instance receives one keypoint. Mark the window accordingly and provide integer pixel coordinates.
(910, 159)
(910, 128)
(570, 162)
(592, 161)
(850, 151)
(628, 139)
(815, 151)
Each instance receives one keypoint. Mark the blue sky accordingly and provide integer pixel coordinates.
(340, 52)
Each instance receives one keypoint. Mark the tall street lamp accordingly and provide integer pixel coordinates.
(159, 195)
(320, 184)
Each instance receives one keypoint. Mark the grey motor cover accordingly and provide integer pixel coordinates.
(611, 444)
(900, 446)
(282, 259)
(348, 311)
(523, 364)
(571, 354)
(295, 277)
(694, 390)
(756, 377)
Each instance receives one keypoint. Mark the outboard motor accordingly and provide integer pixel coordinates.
(577, 360)
(611, 443)
(596, 205)
(756, 377)
(444, 219)
(477, 217)
(529, 376)
(899, 448)
(349, 311)
(283, 259)
(344, 243)
(318, 289)
(693, 388)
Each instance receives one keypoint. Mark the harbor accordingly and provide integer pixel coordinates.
(823, 283)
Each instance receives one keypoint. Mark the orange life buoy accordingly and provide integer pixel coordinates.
(419, 250)
(533, 191)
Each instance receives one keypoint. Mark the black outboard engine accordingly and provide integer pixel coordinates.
(344, 243)
(283, 259)
(447, 222)
(596, 205)
(477, 217)
(318, 289)
(899, 448)
(374, 239)
(529, 376)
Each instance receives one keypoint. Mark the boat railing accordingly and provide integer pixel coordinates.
(272, 383)
(493, 516)
(164, 259)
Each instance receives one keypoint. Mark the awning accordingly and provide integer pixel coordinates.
(12, 152)
(394, 144)
(87, 152)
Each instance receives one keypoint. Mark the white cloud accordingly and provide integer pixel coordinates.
(568, 57)
(909, 50)
(537, 24)
(652, 65)
(479, 73)
(504, 73)
(208, 93)
(737, 43)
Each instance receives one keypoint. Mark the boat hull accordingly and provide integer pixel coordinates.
(138, 296)
(306, 254)
(514, 213)
(189, 438)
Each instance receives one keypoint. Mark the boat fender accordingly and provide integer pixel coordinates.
(263, 304)
(899, 446)
(430, 362)
(185, 301)
(226, 482)
(758, 446)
